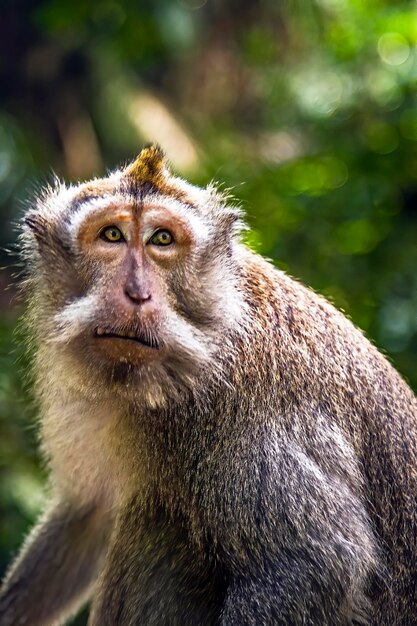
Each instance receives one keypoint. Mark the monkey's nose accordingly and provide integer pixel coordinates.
(136, 293)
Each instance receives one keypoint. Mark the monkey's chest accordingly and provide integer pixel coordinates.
(86, 459)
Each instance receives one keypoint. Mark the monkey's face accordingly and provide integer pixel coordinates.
(139, 270)
(137, 278)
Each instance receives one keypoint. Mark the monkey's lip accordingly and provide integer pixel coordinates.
(141, 337)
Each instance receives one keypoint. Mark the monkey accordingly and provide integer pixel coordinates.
(225, 447)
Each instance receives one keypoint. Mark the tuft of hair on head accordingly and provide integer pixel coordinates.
(148, 168)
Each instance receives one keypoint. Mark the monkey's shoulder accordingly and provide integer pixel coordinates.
(298, 308)
(314, 340)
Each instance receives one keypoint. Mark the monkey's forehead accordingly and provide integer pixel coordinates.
(120, 188)
(147, 174)
(146, 179)
(154, 207)
(136, 191)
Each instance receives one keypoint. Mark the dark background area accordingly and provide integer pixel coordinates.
(305, 109)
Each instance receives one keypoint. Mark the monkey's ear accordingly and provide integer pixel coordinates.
(51, 243)
(38, 225)
(149, 167)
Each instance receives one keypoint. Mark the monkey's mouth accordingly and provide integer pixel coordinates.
(142, 337)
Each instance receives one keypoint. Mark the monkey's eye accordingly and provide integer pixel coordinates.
(161, 238)
(112, 234)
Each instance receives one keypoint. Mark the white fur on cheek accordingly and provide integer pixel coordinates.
(186, 339)
(74, 318)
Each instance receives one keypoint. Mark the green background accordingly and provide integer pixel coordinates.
(305, 109)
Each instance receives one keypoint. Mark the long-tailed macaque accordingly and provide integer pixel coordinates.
(225, 447)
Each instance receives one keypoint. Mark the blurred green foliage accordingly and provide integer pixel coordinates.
(305, 109)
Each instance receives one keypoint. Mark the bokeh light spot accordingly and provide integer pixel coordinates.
(393, 48)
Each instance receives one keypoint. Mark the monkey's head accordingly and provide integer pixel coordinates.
(133, 276)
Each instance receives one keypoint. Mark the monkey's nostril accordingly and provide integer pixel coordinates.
(137, 295)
